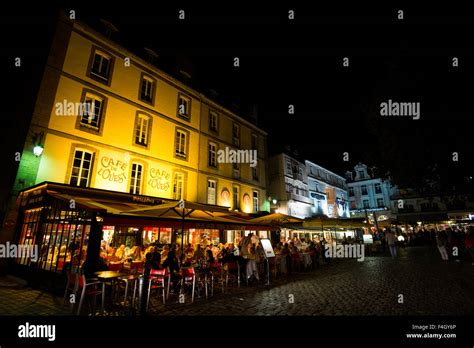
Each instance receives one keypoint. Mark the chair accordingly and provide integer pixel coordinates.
(296, 261)
(188, 278)
(231, 269)
(116, 266)
(157, 281)
(84, 287)
(71, 284)
(136, 267)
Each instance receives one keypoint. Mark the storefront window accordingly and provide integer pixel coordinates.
(28, 231)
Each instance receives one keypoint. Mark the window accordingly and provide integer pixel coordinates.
(100, 66)
(211, 191)
(181, 146)
(351, 191)
(255, 173)
(136, 178)
(364, 190)
(81, 168)
(93, 110)
(380, 202)
(255, 202)
(235, 134)
(366, 203)
(361, 174)
(142, 128)
(236, 198)
(353, 205)
(178, 182)
(378, 188)
(288, 167)
(212, 155)
(213, 121)
(236, 169)
(147, 89)
(184, 106)
(254, 142)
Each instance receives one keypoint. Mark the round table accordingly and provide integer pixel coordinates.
(103, 276)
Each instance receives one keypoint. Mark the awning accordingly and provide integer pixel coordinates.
(195, 215)
(322, 222)
(276, 219)
(423, 217)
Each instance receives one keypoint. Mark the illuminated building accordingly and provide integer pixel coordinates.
(107, 119)
(288, 185)
(328, 192)
(368, 193)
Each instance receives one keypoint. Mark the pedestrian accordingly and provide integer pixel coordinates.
(441, 242)
(391, 241)
(469, 243)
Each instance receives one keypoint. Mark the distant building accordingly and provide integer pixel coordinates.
(412, 207)
(328, 192)
(368, 193)
(288, 186)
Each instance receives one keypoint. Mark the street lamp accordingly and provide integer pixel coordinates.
(38, 140)
(38, 150)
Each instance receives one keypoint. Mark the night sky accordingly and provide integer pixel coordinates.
(300, 62)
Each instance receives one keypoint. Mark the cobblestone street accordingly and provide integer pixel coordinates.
(347, 287)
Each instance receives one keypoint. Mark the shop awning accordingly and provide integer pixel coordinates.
(322, 222)
(423, 217)
(276, 219)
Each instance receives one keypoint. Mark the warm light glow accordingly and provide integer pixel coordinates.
(38, 150)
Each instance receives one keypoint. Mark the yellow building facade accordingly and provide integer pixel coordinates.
(107, 119)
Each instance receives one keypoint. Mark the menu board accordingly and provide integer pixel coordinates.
(267, 247)
(368, 239)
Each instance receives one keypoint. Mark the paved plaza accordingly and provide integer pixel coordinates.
(347, 287)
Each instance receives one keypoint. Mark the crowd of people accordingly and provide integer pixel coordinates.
(454, 243)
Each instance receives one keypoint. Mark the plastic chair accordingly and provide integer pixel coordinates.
(71, 285)
(137, 267)
(188, 278)
(157, 281)
(84, 287)
(116, 266)
(231, 269)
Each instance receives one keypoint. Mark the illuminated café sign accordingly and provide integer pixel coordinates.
(159, 179)
(112, 170)
(146, 200)
(32, 197)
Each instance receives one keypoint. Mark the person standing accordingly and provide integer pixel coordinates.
(391, 241)
(441, 242)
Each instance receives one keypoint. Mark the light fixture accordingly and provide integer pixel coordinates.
(274, 201)
(38, 150)
(38, 141)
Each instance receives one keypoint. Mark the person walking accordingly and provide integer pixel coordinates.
(441, 242)
(391, 241)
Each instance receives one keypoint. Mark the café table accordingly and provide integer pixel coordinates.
(132, 279)
(105, 276)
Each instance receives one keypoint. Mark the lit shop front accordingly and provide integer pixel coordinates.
(73, 226)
